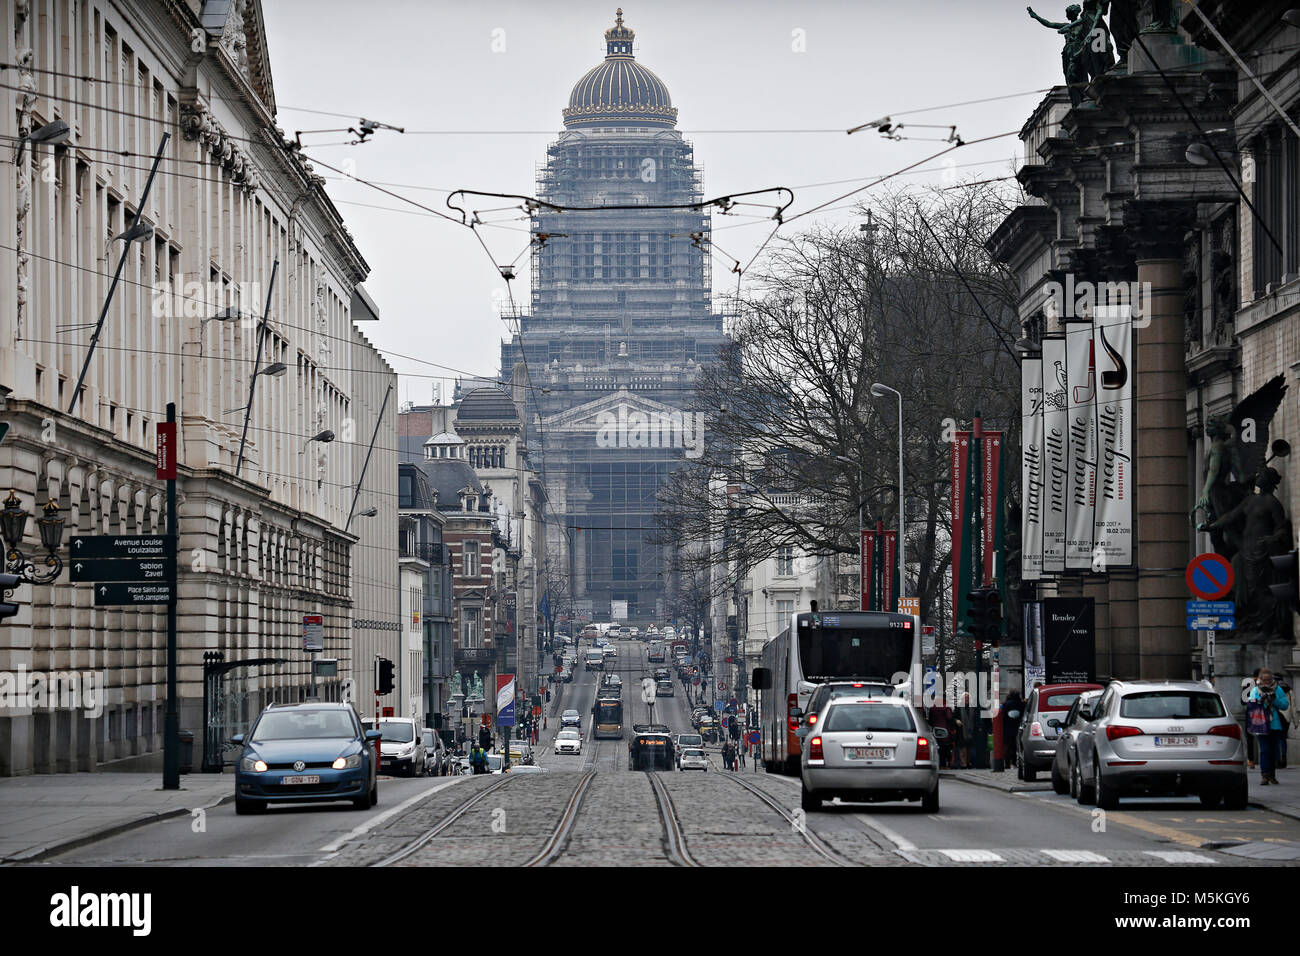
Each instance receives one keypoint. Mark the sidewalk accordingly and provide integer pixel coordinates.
(46, 813)
(1282, 798)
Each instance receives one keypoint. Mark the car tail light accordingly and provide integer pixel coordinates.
(1116, 731)
(791, 702)
(815, 749)
(923, 750)
(1035, 729)
(1226, 730)
(812, 719)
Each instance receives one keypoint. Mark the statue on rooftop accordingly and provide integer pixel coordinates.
(1086, 54)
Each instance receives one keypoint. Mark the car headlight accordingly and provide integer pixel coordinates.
(406, 751)
(252, 765)
(347, 763)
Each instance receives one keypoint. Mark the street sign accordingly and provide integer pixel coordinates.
(1209, 576)
(1211, 608)
(165, 462)
(136, 569)
(928, 640)
(648, 691)
(121, 547)
(313, 632)
(695, 681)
(1207, 623)
(130, 592)
(910, 605)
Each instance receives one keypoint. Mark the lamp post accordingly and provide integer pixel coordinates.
(13, 524)
(880, 391)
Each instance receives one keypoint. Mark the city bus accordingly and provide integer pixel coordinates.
(656, 652)
(651, 748)
(815, 648)
(609, 717)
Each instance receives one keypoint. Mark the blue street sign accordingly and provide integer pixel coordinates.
(1211, 623)
(1212, 608)
(718, 705)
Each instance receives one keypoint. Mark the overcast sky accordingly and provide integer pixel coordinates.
(479, 87)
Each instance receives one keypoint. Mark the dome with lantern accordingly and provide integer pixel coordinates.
(620, 91)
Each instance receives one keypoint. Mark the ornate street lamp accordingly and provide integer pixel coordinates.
(13, 524)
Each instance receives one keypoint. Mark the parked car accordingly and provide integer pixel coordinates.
(401, 749)
(1036, 741)
(433, 752)
(692, 759)
(873, 749)
(568, 742)
(1162, 737)
(1079, 716)
(306, 752)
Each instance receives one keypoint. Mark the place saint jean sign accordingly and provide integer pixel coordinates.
(126, 569)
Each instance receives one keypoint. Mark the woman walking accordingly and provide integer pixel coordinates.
(1264, 703)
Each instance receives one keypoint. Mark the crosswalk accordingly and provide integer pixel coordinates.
(1023, 857)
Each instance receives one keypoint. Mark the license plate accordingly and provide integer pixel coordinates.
(868, 753)
(310, 778)
(1175, 741)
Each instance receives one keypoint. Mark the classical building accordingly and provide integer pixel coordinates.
(420, 539)
(236, 222)
(618, 323)
(1125, 189)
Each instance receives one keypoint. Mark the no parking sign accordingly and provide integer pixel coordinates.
(1209, 576)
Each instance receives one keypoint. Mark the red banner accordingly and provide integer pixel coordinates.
(960, 446)
(991, 463)
(887, 575)
(868, 546)
(165, 458)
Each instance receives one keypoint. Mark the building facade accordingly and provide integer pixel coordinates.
(239, 224)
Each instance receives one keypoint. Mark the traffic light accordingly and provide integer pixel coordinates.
(383, 676)
(1286, 568)
(7, 583)
(984, 615)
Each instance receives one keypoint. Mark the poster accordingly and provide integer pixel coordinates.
(1055, 453)
(1031, 469)
(1081, 408)
(1114, 516)
(1069, 640)
(868, 546)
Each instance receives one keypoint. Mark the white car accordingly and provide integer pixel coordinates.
(568, 742)
(610, 650)
(693, 759)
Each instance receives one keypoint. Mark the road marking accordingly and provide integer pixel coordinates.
(1178, 856)
(899, 841)
(1075, 856)
(972, 856)
(387, 814)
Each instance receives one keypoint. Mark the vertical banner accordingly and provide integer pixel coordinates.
(1031, 469)
(970, 540)
(1081, 405)
(991, 504)
(888, 567)
(960, 449)
(1114, 521)
(1069, 640)
(1035, 672)
(1055, 453)
(878, 568)
(868, 552)
(505, 700)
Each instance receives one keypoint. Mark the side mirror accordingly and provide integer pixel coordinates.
(1054, 724)
(373, 734)
(803, 731)
(1085, 713)
(238, 740)
(796, 711)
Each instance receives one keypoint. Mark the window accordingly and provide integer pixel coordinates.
(470, 559)
(469, 628)
(783, 611)
(785, 561)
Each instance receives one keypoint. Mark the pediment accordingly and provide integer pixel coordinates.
(622, 405)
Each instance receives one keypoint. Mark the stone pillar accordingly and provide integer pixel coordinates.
(1160, 447)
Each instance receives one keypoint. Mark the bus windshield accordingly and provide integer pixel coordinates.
(836, 653)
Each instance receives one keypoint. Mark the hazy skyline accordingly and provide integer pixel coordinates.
(480, 89)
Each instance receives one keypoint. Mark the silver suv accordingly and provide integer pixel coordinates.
(1161, 737)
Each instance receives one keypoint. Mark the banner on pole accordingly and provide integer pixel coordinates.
(505, 700)
(960, 452)
(1031, 469)
(1081, 406)
(992, 503)
(888, 570)
(1113, 533)
(868, 546)
(1055, 452)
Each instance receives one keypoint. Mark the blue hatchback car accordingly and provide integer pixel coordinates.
(297, 753)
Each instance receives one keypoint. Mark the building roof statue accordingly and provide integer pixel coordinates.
(620, 91)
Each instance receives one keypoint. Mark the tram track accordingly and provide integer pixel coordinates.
(816, 843)
(415, 845)
(674, 839)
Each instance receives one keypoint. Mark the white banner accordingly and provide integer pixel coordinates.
(1031, 469)
(1081, 405)
(1114, 520)
(1055, 453)
(506, 694)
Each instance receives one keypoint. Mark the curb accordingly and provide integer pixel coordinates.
(41, 853)
(988, 785)
(1292, 814)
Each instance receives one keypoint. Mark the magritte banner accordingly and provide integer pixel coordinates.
(1056, 453)
(1031, 469)
(1081, 406)
(1113, 333)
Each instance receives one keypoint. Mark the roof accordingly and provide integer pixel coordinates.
(446, 438)
(449, 476)
(488, 404)
(620, 91)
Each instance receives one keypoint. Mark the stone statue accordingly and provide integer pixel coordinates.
(456, 686)
(1237, 453)
(1087, 45)
(478, 687)
(1124, 27)
(1161, 16)
(1265, 531)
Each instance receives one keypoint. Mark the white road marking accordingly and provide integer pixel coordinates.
(972, 856)
(1178, 856)
(899, 841)
(1075, 856)
(387, 814)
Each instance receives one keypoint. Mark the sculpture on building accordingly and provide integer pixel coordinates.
(1087, 52)
(477, 687)
(1238, 446)
(1124, 26)
(1264, 531)
(456, 690)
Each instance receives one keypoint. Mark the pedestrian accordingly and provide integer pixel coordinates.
(1265, 701)
(1284, 714)
(975, 733)
(1252, 745)
(1012, 708)
(740, 755)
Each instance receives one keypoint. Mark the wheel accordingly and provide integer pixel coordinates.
(809, 801)
(1059, 783)
(1237, 796)
(930, 802)
(245, 807)
(1106, 794)
(1020, 767)
(374, 793)
(1210, 799)
(1086, 796)
(1030, 774)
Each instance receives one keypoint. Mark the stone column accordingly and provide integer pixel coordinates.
(1160, 444)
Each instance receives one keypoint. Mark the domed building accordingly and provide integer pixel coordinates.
(620, 321)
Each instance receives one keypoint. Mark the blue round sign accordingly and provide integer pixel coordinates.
(1209, 576)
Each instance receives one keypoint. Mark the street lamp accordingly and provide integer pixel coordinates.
(54, 133)
(880, 391)
(13, 524)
